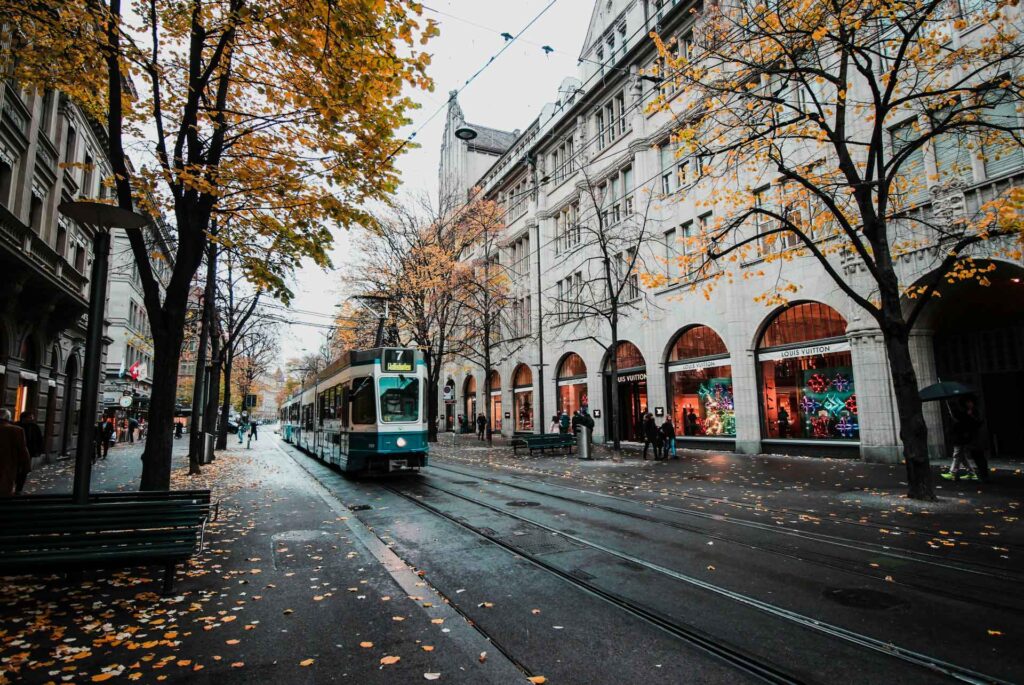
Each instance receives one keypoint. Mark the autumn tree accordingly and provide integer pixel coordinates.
(413, 259)
(282, 114)
(255, 355)
(814, 125)
(607, 247)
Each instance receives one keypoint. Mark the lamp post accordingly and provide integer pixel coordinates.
(101, 218)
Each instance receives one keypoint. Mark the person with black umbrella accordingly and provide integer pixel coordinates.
(966, 422)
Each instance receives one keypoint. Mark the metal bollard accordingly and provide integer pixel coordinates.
(583, 442)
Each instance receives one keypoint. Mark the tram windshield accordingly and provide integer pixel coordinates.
(399, 399)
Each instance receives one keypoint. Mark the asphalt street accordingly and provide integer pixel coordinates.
(492, 568)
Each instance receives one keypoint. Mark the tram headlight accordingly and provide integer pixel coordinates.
(400, 442)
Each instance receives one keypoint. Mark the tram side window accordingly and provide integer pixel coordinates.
(364, 401)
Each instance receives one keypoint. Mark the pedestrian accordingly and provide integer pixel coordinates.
(966, 422)
(576, 422)
(106, 435)
(783, 423)
(14, 457)
(690, 423)
(587, 421)
(178, 428)
(555, 426)
(133, 426)
(650, 433)
(253, 434)
(481, 426)
(563, 422)
(668, 431)
(34, 443)
(462, 424)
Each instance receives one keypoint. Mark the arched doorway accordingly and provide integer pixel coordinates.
(469, 405)
(700, 396)
(68, 415)
(571, 380)
(979, 341)
(494, 398)
(806, 376)
(632, 373)
(522, 390)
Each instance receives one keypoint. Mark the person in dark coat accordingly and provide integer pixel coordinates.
(966, 423)
(481, 427)
(105, 435)
(564, 423)
(34, 443)
(783, 423)
(133, 425)
(253, 434)
(668, 432)
(651, 434)
(14, 457)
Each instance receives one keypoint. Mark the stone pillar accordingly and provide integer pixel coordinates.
(879, 426)
(922, 355)
(595, 392)
(746, 398)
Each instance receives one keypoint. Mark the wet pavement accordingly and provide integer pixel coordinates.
(714, 568)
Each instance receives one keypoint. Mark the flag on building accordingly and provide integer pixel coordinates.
(120, 374)
(133, 371)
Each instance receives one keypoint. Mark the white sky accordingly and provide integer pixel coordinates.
(508, 95)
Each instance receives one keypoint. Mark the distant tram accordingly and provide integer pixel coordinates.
(364, 412)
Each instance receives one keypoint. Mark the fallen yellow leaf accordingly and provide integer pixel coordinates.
(366, 645)
(388, 660)
(427, 648)
(995, 633)
(100, 677)
(437, 620)
(537, 680)
(398, 618)
(232, 642)
(238, 664)
(306, 662)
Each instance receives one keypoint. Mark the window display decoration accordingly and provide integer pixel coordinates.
(826, 403)
(719, 405)
(851, 404)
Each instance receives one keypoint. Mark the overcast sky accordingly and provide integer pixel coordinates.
(508, 95)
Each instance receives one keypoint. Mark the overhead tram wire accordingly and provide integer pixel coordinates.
(472, 78)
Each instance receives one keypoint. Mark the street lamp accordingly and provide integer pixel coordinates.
(101, 218)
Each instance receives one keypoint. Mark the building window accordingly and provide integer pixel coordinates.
(69, 145)
(87, 176)
(494, 398)
(700, 384)
(571, 379)
(627, 274)
(806, 376)
(671, 255)
(35, 213)
(6, 180)
(911, 183)
(1000, 151)
(522, 389)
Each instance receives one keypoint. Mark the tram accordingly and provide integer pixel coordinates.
(364, 413)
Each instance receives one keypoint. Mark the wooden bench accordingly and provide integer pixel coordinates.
(542, 443)
(49, 532)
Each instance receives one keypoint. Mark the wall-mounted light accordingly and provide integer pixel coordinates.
(465, 133)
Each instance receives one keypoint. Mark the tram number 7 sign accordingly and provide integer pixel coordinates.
(398, 361)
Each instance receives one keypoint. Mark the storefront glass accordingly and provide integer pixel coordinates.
(522, 387)
(494, 390)
(700, 385)
(572, 384)
(632, 382)
(807, 384)
(469, 406)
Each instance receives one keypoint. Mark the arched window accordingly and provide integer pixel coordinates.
(631, 370)
(572, 366)
(801, 322)
(470, 387)
(494, 388)
(468, 422)
(700, 385)
(627, 356)
(522, 377)
(494, 381)
(806, 369)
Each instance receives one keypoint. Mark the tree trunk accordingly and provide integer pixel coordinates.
(195, 437)
(913, 430)
(156, 458)
(225, 405)
(210, 422)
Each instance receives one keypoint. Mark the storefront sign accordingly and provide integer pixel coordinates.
(659, 411)
(572, 381)
(809, 351)
(508, 415)
(698, 365)
(633, 377)
(449, 394)
(528, 388)
(597, 413)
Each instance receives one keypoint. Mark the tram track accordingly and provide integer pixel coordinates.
(838, 563)
(731, 654)
(759, 508)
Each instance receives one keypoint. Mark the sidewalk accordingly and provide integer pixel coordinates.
(284, 592)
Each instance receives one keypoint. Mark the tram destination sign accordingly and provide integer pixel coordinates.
(809, 351)
(398, 361)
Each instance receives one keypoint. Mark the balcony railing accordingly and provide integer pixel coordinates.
(22, 241)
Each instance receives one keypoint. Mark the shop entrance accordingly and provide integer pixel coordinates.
(632, 377)
(979, 341)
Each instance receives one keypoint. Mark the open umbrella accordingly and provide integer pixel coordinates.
(944, 390)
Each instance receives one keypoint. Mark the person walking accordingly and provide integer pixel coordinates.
(966, 422)
(34, 443)
(555, 426)
(253, 435)
(178, 429)
(14, 457)
(107, 435)
(650, 433)
(668, 432)
(481, 426)
(133, 427)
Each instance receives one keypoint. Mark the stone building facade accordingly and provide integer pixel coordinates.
(46, 258)
(810, 377)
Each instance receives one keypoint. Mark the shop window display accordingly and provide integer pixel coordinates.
(572, 384)
(494, 396)
(522, 388)
(700, 385)
(807, 386)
